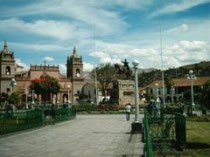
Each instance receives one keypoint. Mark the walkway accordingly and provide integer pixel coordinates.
(87, 135)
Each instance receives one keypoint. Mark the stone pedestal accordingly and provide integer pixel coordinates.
(136, 127)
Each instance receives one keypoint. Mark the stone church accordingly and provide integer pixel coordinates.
(11, 80)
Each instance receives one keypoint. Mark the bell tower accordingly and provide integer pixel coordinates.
(7, 70)
(75, 74)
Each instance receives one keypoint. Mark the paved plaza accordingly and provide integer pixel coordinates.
(87, 135)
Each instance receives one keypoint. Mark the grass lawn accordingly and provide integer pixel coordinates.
(198, 139)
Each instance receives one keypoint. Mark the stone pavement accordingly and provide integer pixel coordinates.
(87, 135)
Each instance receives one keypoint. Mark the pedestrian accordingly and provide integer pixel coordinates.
(127, 111)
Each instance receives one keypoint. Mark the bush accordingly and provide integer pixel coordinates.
(14, 98)
(199, 118)
(85, 107)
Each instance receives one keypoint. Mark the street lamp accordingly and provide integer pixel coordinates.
(13, 83)
(32, 92)
(136, 126)
(157, 92)
(191, 77)
(26, 93)
(172, 94)
(68, 87)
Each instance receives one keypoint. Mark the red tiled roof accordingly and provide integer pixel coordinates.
(181, 82)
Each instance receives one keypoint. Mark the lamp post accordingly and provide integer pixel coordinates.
(191, 77)
(32, 93)
(136, 126)
(172, 94)
(96, 87)
(26, 93)
(157, 94)
(68, 87)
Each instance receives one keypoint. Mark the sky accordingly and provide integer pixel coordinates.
(107, 31)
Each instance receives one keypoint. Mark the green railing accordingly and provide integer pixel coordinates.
(12, 122)
(64, 114)
(180, 127)
(17, 121)
(147, 136)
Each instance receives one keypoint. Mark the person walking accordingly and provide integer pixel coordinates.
(127, 111)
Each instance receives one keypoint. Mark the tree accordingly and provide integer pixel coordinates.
(105, 75)
(45, 85)
(14, 98)
(169, 82)
(4, 97)
(205, 95)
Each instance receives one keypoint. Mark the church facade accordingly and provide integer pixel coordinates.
(11, 80)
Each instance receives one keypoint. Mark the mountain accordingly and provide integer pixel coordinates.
(200, 69)
(141, 70)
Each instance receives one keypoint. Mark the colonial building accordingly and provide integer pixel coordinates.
(71, 85)
(75, 74)
(180, 85)
(7, 69)
(24, 80)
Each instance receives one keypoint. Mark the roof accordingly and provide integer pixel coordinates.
(5, 49)
(181, 82)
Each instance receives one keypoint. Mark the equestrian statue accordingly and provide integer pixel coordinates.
(123, 70)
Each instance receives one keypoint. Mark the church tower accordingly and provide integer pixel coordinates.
(75, 74)
(7, 70)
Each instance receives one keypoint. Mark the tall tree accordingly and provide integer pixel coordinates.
(105, 75)
(205, 95)
(169, 83)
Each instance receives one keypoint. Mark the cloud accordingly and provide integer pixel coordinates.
(24, 66)
(183, 28)
(177, 6)
(174, 55)
(105, 57)
(87, 13)
(87, 66)
(62, 68)
(38, 47)
(48, 59)
(182, 53)
(56, 29)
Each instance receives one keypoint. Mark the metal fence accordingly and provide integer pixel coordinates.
(11, 122)
(180, 126)
(147, 137)
(17, 121)
(167, 128)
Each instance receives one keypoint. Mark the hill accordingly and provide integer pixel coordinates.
(200, 69)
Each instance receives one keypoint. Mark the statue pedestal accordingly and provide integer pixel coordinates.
(136, 127)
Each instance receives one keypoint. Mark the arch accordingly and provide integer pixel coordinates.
(65, 98)
(77, 71)
(8, 70)
(168, 99)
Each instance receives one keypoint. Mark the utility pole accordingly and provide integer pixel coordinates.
(191, 76)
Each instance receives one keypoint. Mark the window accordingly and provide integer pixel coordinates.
(8, 90)
(77, 71)
(151, 91)
(128, 93)
(8, 70)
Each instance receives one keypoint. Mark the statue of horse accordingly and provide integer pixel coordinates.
(123, 69)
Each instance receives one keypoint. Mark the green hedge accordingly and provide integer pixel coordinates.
(87, 107)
